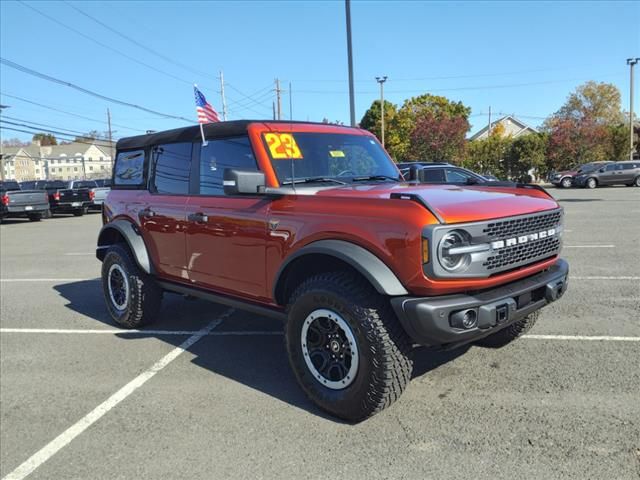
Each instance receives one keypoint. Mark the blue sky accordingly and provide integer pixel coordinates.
(517, 57)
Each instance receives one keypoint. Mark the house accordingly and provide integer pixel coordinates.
(71, 161)
(510, 125)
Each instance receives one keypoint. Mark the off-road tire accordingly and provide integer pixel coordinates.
(144, 297)
(79, 212)
(591, 183)
(566, 182)
(384, 367)
(510, 333)
(36, 217)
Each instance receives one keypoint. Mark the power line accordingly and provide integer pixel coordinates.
(42, 130)
(43, 76)
(96, 143)
(104, 45)
(68, 113)
(71, 132)
(135, 42)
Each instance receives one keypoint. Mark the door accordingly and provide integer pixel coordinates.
(163, 218)
(608, 177)
(626, 173)
(226, 235)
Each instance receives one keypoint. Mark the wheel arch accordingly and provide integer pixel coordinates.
(329, 255)
(124, 232)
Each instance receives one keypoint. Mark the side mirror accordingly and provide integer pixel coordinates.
(238, 182)
(602, 170)
(414, 172)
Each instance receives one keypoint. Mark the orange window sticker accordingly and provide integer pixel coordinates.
(336, 153)
(282, 146)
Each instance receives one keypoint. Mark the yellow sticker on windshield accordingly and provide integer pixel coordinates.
(282, 146)
(336, 153)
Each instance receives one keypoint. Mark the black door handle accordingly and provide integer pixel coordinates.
(198, 217)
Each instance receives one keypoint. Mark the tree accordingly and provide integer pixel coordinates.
(405, 121)
(573, 142)
(438, 139)
(89, 137)
(488, 155)
(594, 102)
(371, 120)
(525, 153)
(45, 139)
(14, 142)
(619, 140)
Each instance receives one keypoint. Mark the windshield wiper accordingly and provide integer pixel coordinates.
(375, 177)
(313, 180)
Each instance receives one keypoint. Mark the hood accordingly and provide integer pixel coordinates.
(572, 173)
(457, 204)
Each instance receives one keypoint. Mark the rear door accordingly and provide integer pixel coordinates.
(226, 235)
(626, 173)
(163, 217)
(608, 177)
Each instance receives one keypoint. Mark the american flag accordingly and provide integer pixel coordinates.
(206, 113)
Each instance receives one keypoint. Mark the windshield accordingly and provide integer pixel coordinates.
(589, 167)
(343, 157)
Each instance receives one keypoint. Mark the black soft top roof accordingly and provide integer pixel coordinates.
(192, 133)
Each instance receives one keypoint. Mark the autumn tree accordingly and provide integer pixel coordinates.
(45, 139)
(595, 102)
(438, 139)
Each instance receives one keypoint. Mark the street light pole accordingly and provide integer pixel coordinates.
(381, 81)
(352, 102)
(631, 62)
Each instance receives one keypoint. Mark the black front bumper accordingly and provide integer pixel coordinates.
(428, 320)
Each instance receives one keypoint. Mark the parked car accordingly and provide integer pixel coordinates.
(64, 199)
(104, 182)
(441, 172)
(619, 173)
(98, 192)
(565, 179)
(312, 224)
(15, 202)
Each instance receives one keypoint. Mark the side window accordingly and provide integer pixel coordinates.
(432, 175)
(220, 154)
(129, 168)
(457, 176)
(628, 166)
(611, 167)
(171, 166)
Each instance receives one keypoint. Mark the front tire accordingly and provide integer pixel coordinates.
(345, 345)
(591, 183)
(510, 333)
(133, 298)
(566, 182)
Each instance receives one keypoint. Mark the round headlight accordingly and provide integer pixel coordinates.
(454, 262)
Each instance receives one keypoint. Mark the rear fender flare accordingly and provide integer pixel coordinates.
(113, 231)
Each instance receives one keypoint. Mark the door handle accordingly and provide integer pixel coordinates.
(198, 217)
(147, 213)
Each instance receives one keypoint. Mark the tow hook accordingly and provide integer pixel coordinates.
(554, 290)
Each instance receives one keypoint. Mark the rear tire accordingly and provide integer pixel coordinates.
(636, 182)
(133, 298)
(591, 183)
(510, 333)
(79, 212)
(36, 217)
(346, 347)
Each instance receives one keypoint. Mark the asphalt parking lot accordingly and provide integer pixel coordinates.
(80, 399)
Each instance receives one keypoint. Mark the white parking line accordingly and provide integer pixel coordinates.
(72, 432)
(79, 253)
(18, 280)
(603, 278)
(114, 331)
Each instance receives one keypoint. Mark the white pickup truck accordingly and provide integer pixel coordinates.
(100, 189)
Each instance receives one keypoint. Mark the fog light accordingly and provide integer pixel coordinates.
(464, 319)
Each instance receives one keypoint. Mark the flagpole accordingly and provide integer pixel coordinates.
(204, 140)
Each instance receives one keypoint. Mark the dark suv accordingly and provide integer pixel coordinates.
(619, 173)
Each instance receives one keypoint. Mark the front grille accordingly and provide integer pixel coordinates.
(535, 250)
(522, 226)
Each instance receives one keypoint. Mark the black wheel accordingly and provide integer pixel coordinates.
(79, 212)
(47, 214)
(510, 333)
(133, 298)
(592, 183)
(566, 182)
(35, 217)
(346, 346)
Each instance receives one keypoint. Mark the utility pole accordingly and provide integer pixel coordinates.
(224, 101)
(2, 107)
(279, 99)
(352, 101)
(273, 104)
(111, 154)
(631, 62)
(290, 103)
(489, 134)
(381, 81)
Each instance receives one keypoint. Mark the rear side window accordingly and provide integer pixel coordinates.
(220, 154)
(432, 175)
(129, 168)
(84, 184)
(172, 167)
(629, 166)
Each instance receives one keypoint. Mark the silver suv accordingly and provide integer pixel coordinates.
(619, 173)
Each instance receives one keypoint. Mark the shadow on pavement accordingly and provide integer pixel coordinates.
(258, 361)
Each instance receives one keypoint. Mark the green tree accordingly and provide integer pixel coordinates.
(488, 155)
(619, 140)
(45, 139)
(596, 102)
(526, 152)
(404, 122)
(371, 120)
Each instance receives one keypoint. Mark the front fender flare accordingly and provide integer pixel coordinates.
(132, 237)
(363, 261)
